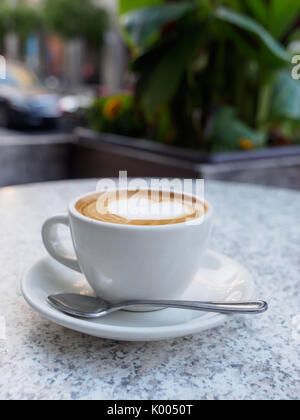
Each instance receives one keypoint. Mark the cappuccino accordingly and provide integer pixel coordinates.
(141, 207)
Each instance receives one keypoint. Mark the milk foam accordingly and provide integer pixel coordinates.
(144, 209)
(140, 208)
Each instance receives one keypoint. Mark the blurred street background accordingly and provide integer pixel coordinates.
(70, 48)
(65, 48)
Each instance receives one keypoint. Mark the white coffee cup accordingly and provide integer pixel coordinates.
(122, 262)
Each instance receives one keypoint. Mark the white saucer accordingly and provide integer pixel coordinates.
(220, 278)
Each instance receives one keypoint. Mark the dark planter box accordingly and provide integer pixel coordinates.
(104, 155)
(87, 154)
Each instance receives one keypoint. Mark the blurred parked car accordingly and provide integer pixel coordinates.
(24, 101)
(74, 108)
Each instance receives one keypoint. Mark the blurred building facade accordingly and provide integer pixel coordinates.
(72, 63)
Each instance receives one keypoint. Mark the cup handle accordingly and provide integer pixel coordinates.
(53, 243)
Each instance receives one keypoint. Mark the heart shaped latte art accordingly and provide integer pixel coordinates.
(141, 207)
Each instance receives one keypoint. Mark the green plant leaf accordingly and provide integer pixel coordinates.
(126, 6)
(285, 102)
(259, 10)
(245, 23)
(283, 13)
(227, 132)
(160, 80)
(294, 37)
(237, 5)
(144, 25)
(275, 15)
(157, 88)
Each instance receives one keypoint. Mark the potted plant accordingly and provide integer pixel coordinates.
(213, 79)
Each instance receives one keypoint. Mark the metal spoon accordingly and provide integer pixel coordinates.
(92, 307)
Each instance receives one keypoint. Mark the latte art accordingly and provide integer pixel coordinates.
(141, 207)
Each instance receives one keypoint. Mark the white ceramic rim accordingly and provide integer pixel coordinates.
(126, 333)
(176, 226)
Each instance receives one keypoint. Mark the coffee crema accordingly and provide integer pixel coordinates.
(141, 207)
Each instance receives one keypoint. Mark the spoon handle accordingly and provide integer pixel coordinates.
(245, 307)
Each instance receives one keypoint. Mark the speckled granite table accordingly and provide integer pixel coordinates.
(248, 358)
